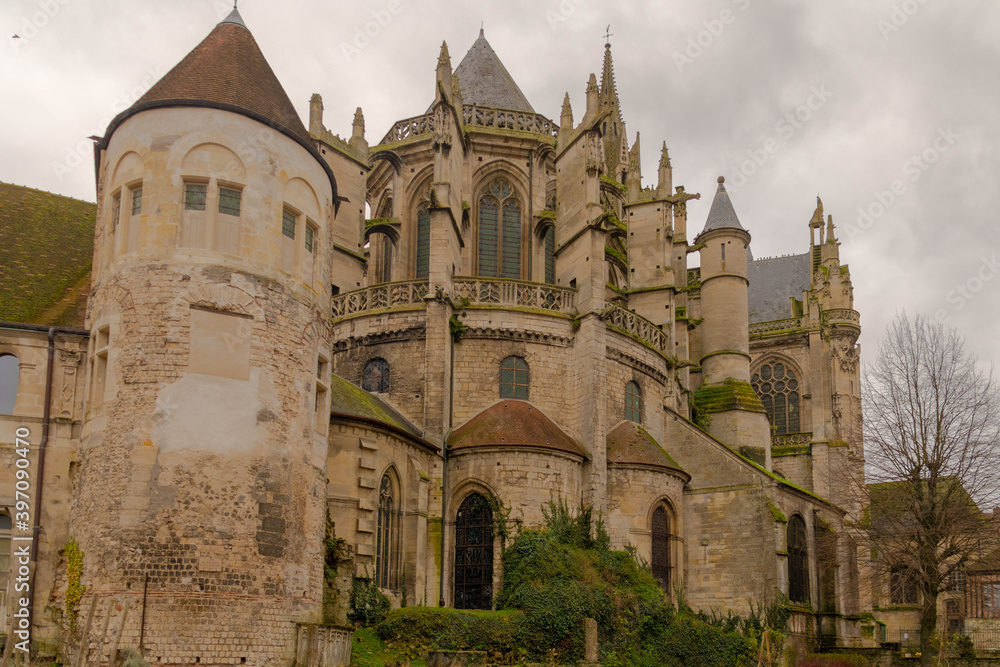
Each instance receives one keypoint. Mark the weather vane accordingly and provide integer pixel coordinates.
(608, 35)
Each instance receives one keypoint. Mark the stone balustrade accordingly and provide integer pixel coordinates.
(636, 325)
(376, 297)
(518, 293)
(777, 326)
(474, 116)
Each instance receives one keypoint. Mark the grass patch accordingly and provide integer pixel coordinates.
(369, 650)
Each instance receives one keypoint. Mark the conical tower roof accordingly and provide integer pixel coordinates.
(486, 82)
(722, 214)
(228, 71)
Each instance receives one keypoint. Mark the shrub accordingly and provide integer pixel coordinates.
(368, 604)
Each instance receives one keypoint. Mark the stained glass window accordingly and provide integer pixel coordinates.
(514, 378)
(798, 560)
(778, 388)
(661, 547)
(633, 402)
(376, 375)
(385, 538)
(500, 231)
(423, 242)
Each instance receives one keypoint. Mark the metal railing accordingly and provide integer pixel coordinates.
(500, 292)
(636, 325)
(476, 116)
(385, 295)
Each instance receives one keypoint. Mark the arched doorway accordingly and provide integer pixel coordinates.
(474, 554)
(661, 547)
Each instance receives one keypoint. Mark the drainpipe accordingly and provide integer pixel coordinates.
(46, 418)
(444, 472)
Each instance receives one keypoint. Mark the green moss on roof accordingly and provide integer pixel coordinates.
(46, 249)
(629, 442)
(730, 394)
(348, 399)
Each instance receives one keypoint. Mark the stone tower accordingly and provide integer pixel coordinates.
(201, 476)
(737, 415)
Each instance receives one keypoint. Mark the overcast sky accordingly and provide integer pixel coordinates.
(890, 110)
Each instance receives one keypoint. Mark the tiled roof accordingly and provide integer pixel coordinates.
(353, 401)
(513, 423)
(486, 82)
(722, 214)
(46, 249)
(773, 281)
(227, 69)
(631, 443)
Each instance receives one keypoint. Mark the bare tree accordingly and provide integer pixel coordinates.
(932, 432)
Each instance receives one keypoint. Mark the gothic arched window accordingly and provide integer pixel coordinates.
(778, 388)
(660, 563)
(550, 255)
(9, 369)
(382, 258)
(500, 231)
(798, 560)
(474, 554)
(423, 241)
(386, 534)
(376, 375)
(633, 402)
(514, 376)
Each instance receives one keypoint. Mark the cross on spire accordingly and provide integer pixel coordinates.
(607, 36)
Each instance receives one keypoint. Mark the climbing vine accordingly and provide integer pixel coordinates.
(74, 571)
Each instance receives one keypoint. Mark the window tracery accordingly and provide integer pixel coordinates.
(500, 231)
(778, 388)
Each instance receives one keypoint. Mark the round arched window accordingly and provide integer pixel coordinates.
(778, 388)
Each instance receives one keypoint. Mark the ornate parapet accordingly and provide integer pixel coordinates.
(637, 326)
(516, 293)
(379, 297)
(777, 326)
(785, 443)
(474, 116)
(842, 317)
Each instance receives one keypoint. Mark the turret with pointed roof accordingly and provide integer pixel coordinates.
(486, 82)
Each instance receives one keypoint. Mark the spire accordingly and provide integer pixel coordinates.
(817, 219)
(234, 18)
(592, 95)
(722, 214)
(664, 156)
(609, 90)
(486, 82)
(444, 59)
(226, 70)
(566, 118)
(359, 123)
(830, 238)
(665, 174)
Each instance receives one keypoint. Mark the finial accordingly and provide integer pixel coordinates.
(664, 156)
(722, 179)
(607, 37)
(444, 59)
(481, 31)
(592, 83)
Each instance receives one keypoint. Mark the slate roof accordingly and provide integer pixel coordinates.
(722, 214)
(513, 423)
(631, 443)
(46, 249)
(227, 69)
(773, 281)
(486, 82)
(353, 401)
